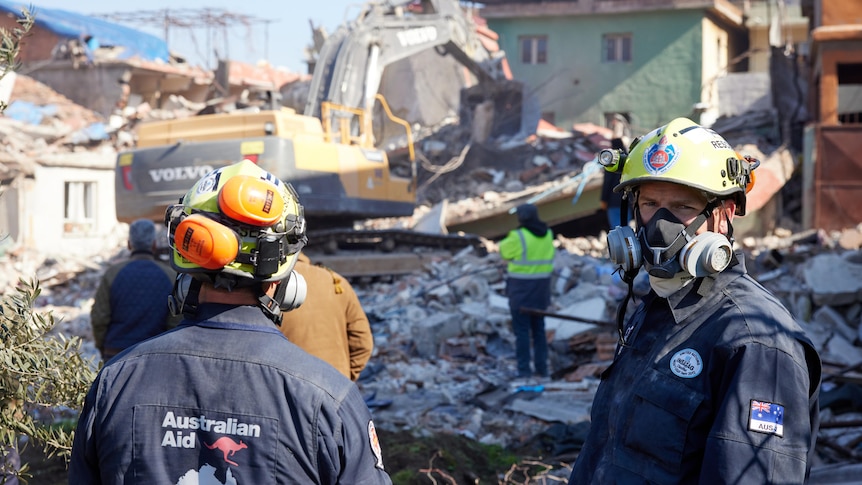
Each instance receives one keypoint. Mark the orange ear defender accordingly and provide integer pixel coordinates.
(205, 242)
(251, 200)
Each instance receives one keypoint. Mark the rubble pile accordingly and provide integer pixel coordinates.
(508, 165)
(444, 350)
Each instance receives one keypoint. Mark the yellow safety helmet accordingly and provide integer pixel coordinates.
(238, 224)
(685, 153)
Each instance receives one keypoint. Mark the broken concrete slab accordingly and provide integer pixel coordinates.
(832, 319)
(833, 279)
(841, 350)
(429, 333)
(550, 406)
(433, 221)
(589, 309)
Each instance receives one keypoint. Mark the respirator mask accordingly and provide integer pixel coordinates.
(666, 247)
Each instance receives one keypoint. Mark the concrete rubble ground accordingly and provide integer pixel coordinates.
(444, 350)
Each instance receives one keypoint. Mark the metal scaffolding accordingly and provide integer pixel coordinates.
(207, 28)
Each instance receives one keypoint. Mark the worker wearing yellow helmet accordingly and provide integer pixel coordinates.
(713, 380)
(238, 226)
(225, 394)
(698, 161)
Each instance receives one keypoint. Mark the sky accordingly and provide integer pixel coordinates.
(279, 30)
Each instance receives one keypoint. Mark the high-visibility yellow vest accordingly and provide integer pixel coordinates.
(529, 256)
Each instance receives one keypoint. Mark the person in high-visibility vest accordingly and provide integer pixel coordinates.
(529, 249)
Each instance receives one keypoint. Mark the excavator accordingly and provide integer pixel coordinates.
(329, 153)
(350, 65)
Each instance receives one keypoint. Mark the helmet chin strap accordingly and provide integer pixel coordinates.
(184, 297)
(270, 306)
(729, 224)
(733, 259)
(289, 295)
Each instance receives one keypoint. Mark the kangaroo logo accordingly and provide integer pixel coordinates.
(228, 447)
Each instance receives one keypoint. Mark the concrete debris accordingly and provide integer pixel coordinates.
(506, 165)
(444, 354)
(834, 279)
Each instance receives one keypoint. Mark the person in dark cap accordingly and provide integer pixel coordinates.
(529, 250)
(131, 302)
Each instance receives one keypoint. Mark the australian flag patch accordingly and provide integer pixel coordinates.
(766, 417)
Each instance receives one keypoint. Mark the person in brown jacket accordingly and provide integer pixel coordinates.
(331, 324)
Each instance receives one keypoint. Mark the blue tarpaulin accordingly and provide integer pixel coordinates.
(28, 112)
(92, 31)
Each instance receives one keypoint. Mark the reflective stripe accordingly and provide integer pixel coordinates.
(535, 263)
(528, 276)
(523, 239)
(524, 261)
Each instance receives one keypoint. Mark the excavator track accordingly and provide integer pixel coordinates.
(331, 241)
(362, 254)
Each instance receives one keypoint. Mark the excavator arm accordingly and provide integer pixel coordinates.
(352, 60)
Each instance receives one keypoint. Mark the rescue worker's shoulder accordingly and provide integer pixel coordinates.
(315, 276)
(753, 314)
(308, 374)
(113, 270)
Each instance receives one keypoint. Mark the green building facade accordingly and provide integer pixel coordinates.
(648, 65)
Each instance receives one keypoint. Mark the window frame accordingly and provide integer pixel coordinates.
(623, 46)
(538, 49)
(79, 206)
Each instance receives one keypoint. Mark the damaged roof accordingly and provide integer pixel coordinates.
(98, 32)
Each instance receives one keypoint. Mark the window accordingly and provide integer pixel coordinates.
(80, 205)
(617, 47)
(849, 93)
(534, 49)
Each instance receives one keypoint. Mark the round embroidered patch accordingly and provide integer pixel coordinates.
(686, 363)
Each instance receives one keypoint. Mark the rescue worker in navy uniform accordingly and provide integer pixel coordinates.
(529, 250)
(225, 397)
(713, 380)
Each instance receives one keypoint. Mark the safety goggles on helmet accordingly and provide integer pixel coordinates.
(238, 220)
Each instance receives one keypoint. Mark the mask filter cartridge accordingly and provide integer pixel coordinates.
(291, 293)
(624, 248)
(706, 254)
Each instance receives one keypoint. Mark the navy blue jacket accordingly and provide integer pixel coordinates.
(131, 302)
(721, 389)
(224, 397)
